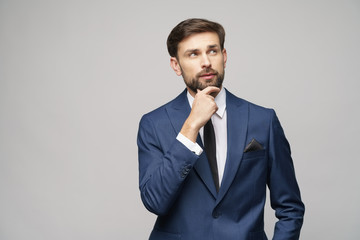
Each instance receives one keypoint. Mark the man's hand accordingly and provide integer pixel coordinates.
(203, 108)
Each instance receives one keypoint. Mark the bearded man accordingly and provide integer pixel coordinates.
(206, 157)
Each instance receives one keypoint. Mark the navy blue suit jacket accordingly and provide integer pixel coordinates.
(177, 185)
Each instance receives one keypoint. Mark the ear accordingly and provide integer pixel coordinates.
(175, 66)
(224, 56)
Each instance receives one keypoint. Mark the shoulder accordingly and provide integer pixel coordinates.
(160, 112)
(252, 108)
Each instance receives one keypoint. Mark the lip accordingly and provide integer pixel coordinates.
(208, 76)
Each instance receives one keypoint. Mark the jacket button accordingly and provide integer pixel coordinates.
(185, 171)
(216, 214)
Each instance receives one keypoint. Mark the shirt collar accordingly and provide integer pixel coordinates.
(220, 101)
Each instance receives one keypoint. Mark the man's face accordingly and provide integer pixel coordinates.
(200, 61)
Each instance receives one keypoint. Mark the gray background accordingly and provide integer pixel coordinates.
(76, 76)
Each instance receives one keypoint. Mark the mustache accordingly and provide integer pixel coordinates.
(207, 71)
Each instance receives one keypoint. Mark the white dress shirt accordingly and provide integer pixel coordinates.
(220, 127)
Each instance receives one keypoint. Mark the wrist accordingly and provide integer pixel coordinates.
(190, 130)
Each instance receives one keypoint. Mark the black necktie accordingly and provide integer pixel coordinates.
(210, 150)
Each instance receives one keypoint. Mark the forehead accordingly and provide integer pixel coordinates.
(199, 41)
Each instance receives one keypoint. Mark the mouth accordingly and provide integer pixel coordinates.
(208, 76)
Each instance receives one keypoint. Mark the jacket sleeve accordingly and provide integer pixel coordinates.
(162, 170)
(284, 191)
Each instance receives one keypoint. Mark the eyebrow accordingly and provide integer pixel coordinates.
(191, 50)
(213, 46)
(196, 49)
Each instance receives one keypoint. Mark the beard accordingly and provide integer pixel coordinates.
(194, 83)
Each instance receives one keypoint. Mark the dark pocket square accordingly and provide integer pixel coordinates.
(253, 146)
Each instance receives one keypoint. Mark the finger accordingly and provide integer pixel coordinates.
(211, 90)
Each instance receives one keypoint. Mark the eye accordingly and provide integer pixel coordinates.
(213, 51)
(193, 54)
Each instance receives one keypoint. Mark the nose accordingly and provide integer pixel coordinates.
(205, 61)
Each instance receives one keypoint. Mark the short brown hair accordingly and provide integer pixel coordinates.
(192, 26)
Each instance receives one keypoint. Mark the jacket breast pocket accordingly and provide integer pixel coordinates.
(254, 155)
(156, 234)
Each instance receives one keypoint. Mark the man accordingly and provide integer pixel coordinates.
(206, 157)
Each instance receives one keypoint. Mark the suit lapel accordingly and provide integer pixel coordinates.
(237, 123)
(178, 111)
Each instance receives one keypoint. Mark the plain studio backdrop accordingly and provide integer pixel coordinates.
(76, 77)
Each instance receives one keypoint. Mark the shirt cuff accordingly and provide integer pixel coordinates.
(194, 147)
